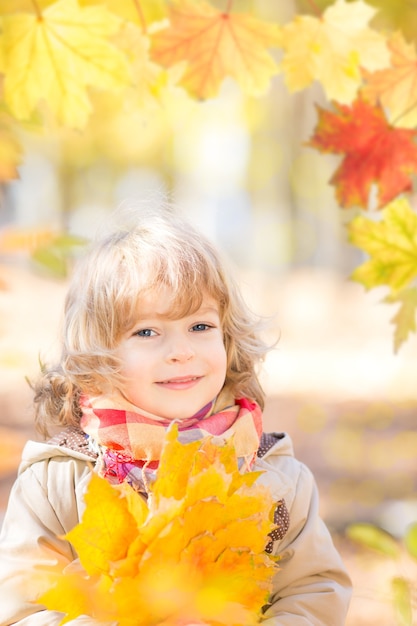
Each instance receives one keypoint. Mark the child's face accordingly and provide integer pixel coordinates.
(173, 367)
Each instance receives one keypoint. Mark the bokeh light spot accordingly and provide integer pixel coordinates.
(344, 449)
(311, 418)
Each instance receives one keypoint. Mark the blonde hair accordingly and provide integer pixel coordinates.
(104, 298)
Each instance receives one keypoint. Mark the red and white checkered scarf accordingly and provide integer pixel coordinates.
(130, 442)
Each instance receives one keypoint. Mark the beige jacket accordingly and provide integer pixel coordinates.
(311, 586)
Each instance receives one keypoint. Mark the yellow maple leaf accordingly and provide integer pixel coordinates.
(74, 601)
(391, 244)
(17, 6)
(396, 87)
(405, 319)
(332, 50)
(217, 44)
(144, 13)
(55, 56)
(145, 73)
(108, 528)
(176, 459)
(187, 557)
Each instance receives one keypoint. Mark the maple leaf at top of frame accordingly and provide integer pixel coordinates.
(396, 87)
(214, 45)
(333, 49)
(53, 57)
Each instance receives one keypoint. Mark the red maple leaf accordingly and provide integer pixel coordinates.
(375, 153)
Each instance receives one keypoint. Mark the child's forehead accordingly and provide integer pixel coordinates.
(166, 302)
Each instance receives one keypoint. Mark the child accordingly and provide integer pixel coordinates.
(155, 331)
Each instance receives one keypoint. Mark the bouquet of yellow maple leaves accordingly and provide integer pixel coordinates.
(193, 553)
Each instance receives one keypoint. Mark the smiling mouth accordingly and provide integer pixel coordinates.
(180, 380)
(181, 383)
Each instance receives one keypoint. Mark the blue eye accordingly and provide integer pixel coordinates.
(145, 332)
(200, 327)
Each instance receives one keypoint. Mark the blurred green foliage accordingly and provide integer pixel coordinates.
(372, 537)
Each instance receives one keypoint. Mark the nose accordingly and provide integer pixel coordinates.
(179, 350)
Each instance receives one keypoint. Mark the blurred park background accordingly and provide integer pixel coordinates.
(239, 169)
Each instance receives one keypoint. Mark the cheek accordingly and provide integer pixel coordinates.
(131, 360)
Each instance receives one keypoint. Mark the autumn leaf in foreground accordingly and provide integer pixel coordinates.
(196, 555)
(332, 49)
(214, 45)
(375, 153)
(53, 58)
(396, 87)
(392, 246)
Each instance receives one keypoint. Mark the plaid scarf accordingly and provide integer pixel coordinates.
(130, 443)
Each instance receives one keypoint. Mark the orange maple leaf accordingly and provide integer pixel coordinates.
(375, 153)
(396, 87)
(217, 44)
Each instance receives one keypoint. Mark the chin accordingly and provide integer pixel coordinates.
(180, 416)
